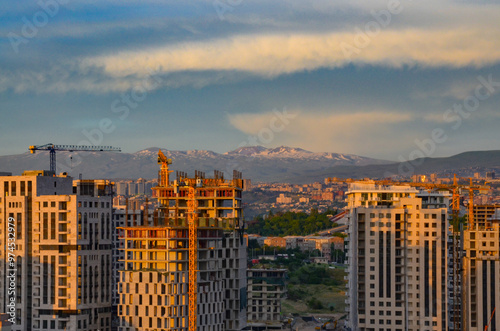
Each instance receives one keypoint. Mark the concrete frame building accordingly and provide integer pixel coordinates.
(397, 257)
(483, 214)
(266, 289)
(153, 285)
(482, 275)
(62, 251)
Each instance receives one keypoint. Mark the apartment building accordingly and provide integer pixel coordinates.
(266, 289)
(397, 256)
(482, 275)
(62, 251)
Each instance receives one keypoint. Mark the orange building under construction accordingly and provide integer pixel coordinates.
(188, 270)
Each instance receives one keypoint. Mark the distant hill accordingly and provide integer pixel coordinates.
(257, 163)
(464, 164)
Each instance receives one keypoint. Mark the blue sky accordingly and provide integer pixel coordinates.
(373, 78)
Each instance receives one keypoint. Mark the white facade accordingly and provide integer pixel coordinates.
(397, 256)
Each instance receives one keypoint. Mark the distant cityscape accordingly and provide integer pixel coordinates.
(175, 253)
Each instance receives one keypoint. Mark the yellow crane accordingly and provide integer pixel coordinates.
(193, 258)
(192, 218)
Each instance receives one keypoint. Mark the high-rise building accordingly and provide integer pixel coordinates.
(397, 256)
(56, 238)
(482, 275)
(122, 188)
(141, 186)
(132, 188)
(154, 284)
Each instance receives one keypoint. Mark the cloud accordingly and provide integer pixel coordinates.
(276, 54)
(352, 132)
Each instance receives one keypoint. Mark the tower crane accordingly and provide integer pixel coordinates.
(69, 148)
(192, 218)
(455, 207)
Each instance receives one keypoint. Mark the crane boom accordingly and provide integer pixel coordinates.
(69, 148)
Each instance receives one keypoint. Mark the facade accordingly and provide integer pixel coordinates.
(275, 242)
(397, 256)
(266, 289)
(482, 275)
(153, 285)
(282, 199)
(124, 216)
(62, 251)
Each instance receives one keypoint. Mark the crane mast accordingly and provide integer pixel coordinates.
(193, 258)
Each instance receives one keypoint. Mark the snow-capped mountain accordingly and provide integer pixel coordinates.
(299, 153)
(256, 162)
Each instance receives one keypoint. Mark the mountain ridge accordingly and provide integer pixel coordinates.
(256, 162)
(280, 164)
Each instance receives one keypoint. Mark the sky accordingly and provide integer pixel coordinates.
(390, 79)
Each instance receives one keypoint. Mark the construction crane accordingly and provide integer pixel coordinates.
(69, 148)
(164, 172)
(193, 258)
(192, 218)
(455, 189)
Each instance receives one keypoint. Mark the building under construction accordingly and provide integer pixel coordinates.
(188, 270)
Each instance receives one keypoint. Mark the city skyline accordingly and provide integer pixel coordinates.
(365, 78)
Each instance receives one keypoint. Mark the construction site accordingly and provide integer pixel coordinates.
(188, 269)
